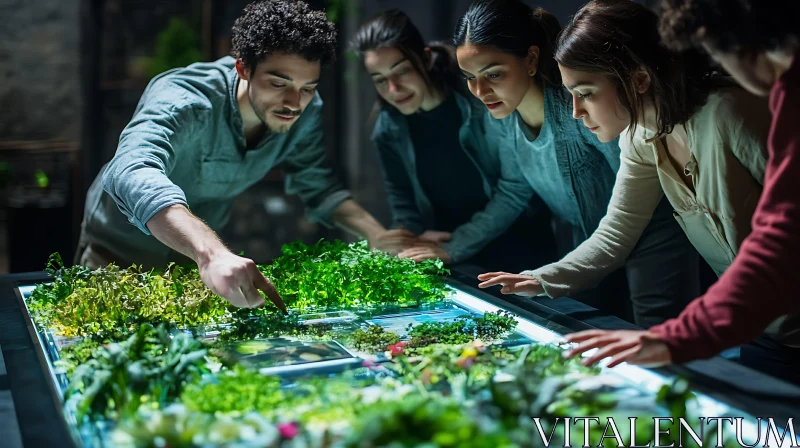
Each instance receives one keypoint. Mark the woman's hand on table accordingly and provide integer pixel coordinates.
(638, 347)
(520, 284)
(430, 251)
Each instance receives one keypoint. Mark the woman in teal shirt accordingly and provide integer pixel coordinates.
(504, 49)
(446, 179)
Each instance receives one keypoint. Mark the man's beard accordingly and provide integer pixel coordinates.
(277, 128)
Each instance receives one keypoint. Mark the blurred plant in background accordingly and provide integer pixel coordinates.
(178, 45)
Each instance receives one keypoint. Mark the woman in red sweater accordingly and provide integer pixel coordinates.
(758, 43)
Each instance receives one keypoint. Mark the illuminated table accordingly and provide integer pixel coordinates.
(723, 387)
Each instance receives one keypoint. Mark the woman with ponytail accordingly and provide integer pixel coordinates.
(505, 50)
(446, 178)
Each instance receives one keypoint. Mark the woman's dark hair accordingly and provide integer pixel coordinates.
(512, 27)
(394, 29)
(618, 37)
(730, 24)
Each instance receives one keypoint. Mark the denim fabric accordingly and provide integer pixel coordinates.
(566, 165)
(509, 192)
(574, 173)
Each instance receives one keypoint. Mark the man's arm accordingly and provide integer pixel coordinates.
(353, 218)
(137, 178)
(235, 278)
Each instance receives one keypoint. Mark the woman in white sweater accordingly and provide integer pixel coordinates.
(702, 146)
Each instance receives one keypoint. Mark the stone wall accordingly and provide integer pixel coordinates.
(40, 95)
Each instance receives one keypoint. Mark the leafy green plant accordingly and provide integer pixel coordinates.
(431, 421)
(327, 401)
(178, 45)
(464, 329)
(109, 303)
(178, 427)
(237, 391)
(148, 367)
(373, 339)
(250, 323)
(46, 297)
(448, 385)
(335, 275)
(548, 361)
(571, 397)
(464, 369)
(76, 354)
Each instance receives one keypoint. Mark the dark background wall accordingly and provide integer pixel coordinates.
(39, 69)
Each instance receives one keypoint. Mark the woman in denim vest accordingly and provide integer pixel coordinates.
(446, 178)
(505, 52)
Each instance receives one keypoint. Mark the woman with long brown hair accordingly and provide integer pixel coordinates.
(446, 178)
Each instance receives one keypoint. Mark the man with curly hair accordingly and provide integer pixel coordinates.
(758, 43)
(201, 135)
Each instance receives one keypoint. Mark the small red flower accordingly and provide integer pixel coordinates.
(288, 430)
(368, 364)
(466, 363)
(397, 349)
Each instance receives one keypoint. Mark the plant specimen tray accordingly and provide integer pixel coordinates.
(274, 356)
(289, 357)
(401, 323)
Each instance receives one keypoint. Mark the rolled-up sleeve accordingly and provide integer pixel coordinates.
(137, 178)
(309, 174)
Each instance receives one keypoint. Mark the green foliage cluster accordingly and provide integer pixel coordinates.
(373, 339)
(236, 391)
(483, 402)
(467, 368)
(421, 420)
(150, 366)
(464, 329)
(178, 45)
(76, 354)
(176, 427)
(489, 328)
(251, 323)
(548, 360)
(447, 386)
(109, 303)
(336, 275)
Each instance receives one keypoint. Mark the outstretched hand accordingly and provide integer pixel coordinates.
(239, 281)
(520, 284)
(428, 252)
(397, 240)
(638, 347)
